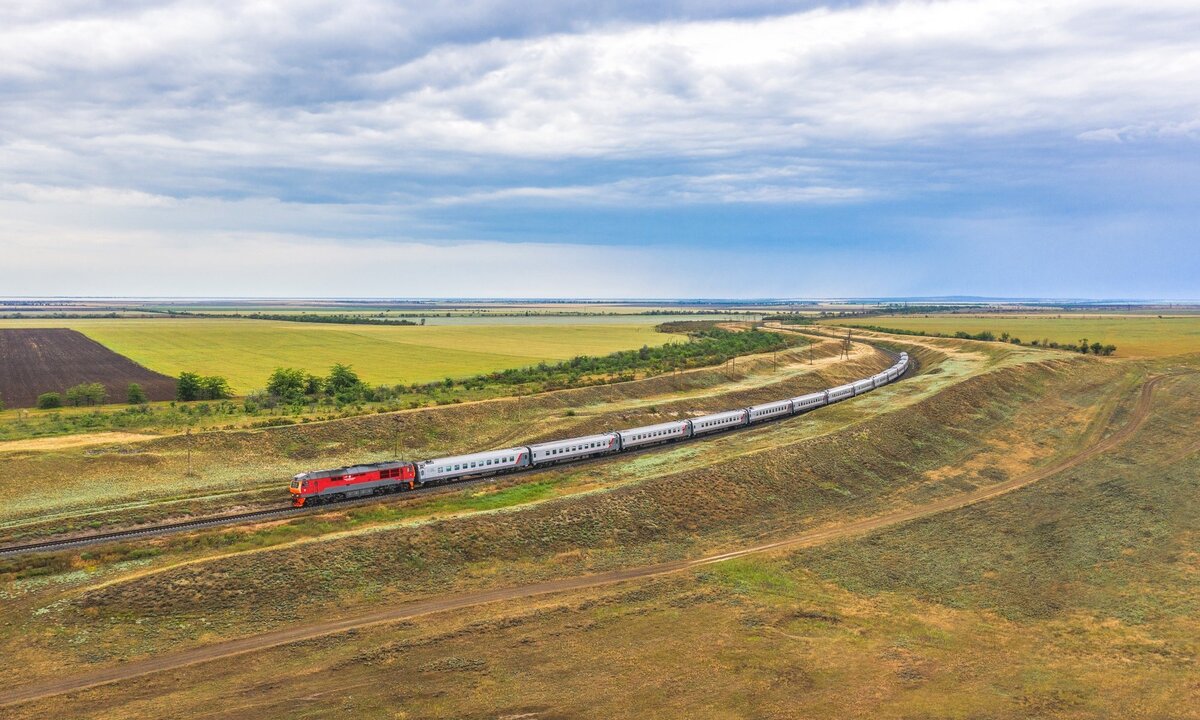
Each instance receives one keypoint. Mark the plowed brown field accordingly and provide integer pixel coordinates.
(39, 360)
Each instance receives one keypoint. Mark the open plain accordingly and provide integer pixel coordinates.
(876, 557)
(1135, 334)
(245, 351)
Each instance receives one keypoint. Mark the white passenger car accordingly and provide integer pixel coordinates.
(573, 448)
(653, 434)
(804, 403)
(841, 392)
(715, 422)
(766, 411)
(484, 463)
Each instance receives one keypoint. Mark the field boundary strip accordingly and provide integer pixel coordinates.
(817, 536)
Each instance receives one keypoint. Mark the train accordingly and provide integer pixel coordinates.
(323, 486)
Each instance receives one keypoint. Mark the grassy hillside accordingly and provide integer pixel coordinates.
(1072, 597)
(235, 467)
(1134, 335)
(245, 351)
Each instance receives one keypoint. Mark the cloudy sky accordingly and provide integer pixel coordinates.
(613, 148)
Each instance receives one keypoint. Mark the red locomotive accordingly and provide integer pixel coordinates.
(321, 486)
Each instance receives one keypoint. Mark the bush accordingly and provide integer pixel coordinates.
(344, 384)
(187, 387)
(214, 387)
(50, 400)
(287, 384)
(135, 395)
(87, 394)
(191, 386)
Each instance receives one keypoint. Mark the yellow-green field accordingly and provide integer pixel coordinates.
(246, 351)
(1134, 335)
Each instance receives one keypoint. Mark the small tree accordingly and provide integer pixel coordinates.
(75, 395)
(343, 383)
(135, 395)
(48, 401)
(87, 394)
(1096, 348)
(1083, 346)
(287, 383)
(187, 388)
(214, 387)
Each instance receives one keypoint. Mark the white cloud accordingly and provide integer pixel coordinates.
(785, 184)
(141, 135)
(219, 86)
(91, 196)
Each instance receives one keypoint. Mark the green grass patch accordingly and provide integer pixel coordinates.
(246, 351)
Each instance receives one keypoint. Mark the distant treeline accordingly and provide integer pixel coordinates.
(1083, 346)
(57, 316)
(336, 319)
(708, 346)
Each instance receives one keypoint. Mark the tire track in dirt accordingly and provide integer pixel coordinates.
(1137, 418)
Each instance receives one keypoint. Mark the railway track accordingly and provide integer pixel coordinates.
(55, 545)
(14, 695)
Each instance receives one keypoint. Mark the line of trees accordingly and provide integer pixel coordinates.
(1082, 346)
(88, 394)
(706, 346)
(335, 318)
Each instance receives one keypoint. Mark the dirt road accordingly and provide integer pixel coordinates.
(455, 602)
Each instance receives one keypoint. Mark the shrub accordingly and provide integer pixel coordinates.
(135, 395)
(87, 394)
(191, 386)
(214, 387)
(47, 401)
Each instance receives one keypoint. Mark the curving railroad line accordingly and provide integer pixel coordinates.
(55, 545)
(817, 536)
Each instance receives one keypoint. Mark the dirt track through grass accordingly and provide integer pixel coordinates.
(1136, 419)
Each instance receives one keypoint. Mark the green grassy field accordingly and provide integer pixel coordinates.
(1071, 597)
(1134, 335)
(246, 351)
(1068, 599)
